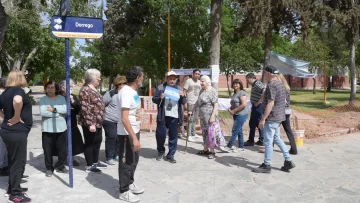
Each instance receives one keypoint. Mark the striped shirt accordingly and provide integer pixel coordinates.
(256, 91)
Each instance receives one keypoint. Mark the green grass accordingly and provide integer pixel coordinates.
(306, 101)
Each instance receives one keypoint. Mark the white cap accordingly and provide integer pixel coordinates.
(171, 73)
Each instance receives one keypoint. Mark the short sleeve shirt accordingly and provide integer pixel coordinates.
(128, 98)
(207, 99)
(6, 103)
(275, 90)
(236, 102)
(193, 90)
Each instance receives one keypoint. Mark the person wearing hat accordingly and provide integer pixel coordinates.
(170, 115)
(274, 113)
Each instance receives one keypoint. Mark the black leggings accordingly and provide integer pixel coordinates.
(16, 144)
(92, 145)
(289, 133)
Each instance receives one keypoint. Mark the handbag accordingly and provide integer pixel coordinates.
(215, 135)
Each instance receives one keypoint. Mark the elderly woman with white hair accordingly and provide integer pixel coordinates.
(91, 118)
(77, 141)
(208, 108)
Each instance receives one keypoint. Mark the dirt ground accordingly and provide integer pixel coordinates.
(326, 123)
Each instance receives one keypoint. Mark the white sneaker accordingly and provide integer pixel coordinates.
(225, 148)
(191, 139)
(129, 197)
(234, 149)
(135, 189)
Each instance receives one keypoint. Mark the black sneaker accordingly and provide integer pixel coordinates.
(287, 166)
(92, 169)
(159, 156)
(64, 170)
(76, 163)
(22, 198)
(171, 160)
(49, 173)
(25, 177)
(100, 165)
(23, 190)
(249, 143)
(259, 143)
(263, 168)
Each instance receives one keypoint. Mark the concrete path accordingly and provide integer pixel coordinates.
(327, 171)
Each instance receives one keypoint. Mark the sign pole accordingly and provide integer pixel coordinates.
(64, 11)
(169, 49)
(68, 105)
(64, 26)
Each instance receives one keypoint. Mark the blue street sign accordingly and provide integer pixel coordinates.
(77, 27)
(64, 9)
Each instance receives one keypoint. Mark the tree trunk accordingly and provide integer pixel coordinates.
(267, 50)
(110, 82)
(28, 59)
(314, 87)
(215, 32)
(4, 22)
(227, 82)
(352, 72)
(329, 83)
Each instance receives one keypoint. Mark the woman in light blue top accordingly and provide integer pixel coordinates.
(53, 126)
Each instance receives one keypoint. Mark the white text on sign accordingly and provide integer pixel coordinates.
(84, 25)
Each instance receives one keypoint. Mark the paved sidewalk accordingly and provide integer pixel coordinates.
(327, 171)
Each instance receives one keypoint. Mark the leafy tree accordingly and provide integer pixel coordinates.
(346, 13)
(237, 54)
(263, 17)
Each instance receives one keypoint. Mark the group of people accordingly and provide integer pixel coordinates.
(118, 112)
(201, 99)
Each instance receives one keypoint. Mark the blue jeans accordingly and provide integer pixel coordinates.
(237, 130)
(171, 124)
(272, 133)
(256, 115)
(3, 155)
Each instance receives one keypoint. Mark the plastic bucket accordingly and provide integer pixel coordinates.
(299, 137)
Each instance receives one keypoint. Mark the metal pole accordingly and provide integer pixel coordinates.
(325, 80)
(68, 107)
(169, 53)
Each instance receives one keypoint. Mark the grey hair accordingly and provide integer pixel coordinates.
(63, 83)
(206, 79)
(91, 75)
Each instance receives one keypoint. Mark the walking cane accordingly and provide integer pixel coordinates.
(187, 137)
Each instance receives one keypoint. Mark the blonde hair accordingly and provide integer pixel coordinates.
(119, 80)
(91, 75)
(282, 78)
(16, 78)
(206, 79)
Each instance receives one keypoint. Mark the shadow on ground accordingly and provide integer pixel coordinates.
(240, 162)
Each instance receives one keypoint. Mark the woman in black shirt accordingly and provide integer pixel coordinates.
(15, 129)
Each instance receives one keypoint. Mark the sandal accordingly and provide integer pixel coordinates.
(203, 152)
(211, 155)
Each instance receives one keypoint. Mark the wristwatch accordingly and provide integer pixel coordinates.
(54, 111)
